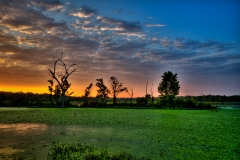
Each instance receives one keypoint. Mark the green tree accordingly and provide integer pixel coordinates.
(103, 91)
(116, 87)
(168, 87)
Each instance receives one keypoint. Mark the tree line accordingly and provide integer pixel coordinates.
(58, 95)
(28, 99)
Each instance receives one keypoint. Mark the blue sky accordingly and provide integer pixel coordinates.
(136, 41)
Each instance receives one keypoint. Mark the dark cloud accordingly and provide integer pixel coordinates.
(6, 38)
(88, 10)
(196, 45)
(127, 47)
(215, 59)
(50, 5)
(121, 25)
(30, 21)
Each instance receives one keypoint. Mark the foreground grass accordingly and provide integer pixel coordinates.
(166, 134)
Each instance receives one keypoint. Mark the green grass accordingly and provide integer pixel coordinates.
(150, 133)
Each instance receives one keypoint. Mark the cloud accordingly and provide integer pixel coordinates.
(137, 34)
(155, 25)
(90, 27)
(196, 45)
(6, 38)
(50, 5)
(84, 12)
(120, 24)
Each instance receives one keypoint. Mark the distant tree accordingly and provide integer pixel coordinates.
(141, 101)
(168, 87)
(130, 92)
(148, 97)
(116, 87)
(87, 93)
(62, 78)
(103, 91)
(152, 94)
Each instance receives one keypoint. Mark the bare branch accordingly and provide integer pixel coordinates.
(62, 79)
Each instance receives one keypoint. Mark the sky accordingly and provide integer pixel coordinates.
(134, 40)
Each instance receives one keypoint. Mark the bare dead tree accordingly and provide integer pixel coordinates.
(62, 78)
(130, 92)
(151, 90)
(146, 88)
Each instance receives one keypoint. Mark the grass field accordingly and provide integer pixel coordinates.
(149, 133)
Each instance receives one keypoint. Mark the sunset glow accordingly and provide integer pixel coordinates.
(136, 41)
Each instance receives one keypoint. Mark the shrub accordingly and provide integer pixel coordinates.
(78, 151)
(142, 101)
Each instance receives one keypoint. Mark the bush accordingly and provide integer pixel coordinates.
(78, 151)
(142, 101)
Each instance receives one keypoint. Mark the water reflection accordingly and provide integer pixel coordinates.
(10, 151)
(30, 140)
(23, 128)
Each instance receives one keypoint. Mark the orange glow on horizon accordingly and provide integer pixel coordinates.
(43, 89)
(24, 89)
(79, 90)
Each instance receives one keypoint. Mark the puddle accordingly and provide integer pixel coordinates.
(10, 151)
(23, 128)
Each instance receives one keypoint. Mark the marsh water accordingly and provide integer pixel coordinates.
(34, 140)
(146, 134)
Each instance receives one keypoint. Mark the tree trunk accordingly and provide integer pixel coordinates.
(114, 98)
(63, 99)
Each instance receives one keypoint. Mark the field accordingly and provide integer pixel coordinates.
(149, 133)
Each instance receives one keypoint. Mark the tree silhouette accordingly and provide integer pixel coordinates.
(57, 93)
(87, 93)
(51, 90)
(169, 87)
(103, 91)
(62, 78)
(116, 87)
(151, 90)
(130, 92)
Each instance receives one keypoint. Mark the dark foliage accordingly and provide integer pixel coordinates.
(213, 98)
(28, 99)
(77, 151)
(168, 88)
(187, 104)
(87, 94)
(102, 91)
(116, 87)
